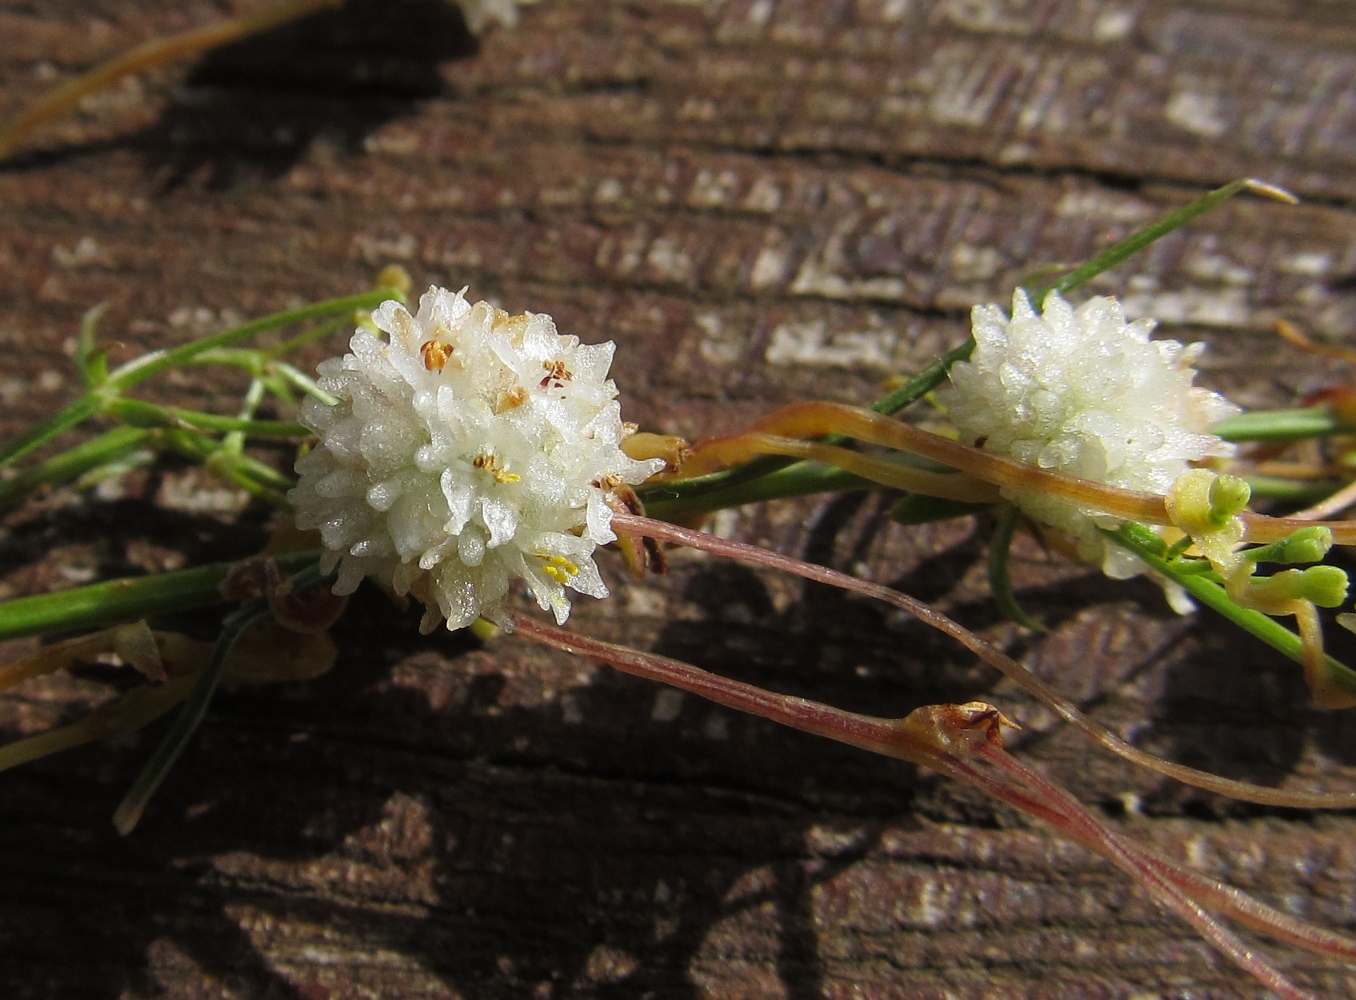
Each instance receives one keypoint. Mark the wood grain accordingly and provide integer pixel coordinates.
(759, 200)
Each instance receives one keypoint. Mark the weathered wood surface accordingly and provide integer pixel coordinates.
(759, 200)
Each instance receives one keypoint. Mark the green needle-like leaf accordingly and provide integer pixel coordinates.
(112, 602)
(1000, 580)
(1281, 425)
(106, 449)
(194, 711)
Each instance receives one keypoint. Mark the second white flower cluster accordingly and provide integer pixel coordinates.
(1082, 392)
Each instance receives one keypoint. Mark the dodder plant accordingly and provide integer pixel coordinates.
(457, 450)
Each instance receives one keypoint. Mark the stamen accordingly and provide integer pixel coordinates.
(558, 568)
(491, 465)
(435, 355)
(556, 372)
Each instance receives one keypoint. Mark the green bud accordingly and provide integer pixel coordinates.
(1307, 545)
(1326, 586)
(1228, 496)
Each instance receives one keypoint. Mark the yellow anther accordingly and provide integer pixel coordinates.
(491, 465)
(435, 355)
(558, 568)
(555, 372)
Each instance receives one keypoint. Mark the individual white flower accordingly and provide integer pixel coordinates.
(1083, 392)
(470, 449)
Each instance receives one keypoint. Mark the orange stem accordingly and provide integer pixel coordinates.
(819, 419)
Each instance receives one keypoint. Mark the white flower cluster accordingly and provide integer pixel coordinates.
(1082, 392)
(470, 449)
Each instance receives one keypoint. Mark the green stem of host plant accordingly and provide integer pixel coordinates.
(1291, 491)
(1136, 242)
(103, 388)
(158, 361)
(138, 413)
(113, 602)
(112, 448)
(255, 477)
(1150, 548)
(1282, 425)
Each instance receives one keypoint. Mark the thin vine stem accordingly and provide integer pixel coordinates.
(631, 525)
